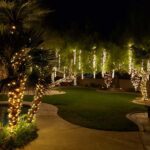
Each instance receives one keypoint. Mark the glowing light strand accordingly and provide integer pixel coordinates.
(135, 79)
(36, 102)
(104, 62)
(144, 84)
(79, 67)
(94, 65)
(130, 55)
(107, 79)
(15, 97)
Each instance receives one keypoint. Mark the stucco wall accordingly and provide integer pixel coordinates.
(121, 83)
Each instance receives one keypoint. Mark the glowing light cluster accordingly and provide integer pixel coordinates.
(12, 29)
(108, 79)
(79, 67)
(94, 65)
(19, 58)
(15, 96)
(135, 79)
(130, 55)
(59, 61)
(74, 56)
(104, 62)
(144, 84)
(148, 66)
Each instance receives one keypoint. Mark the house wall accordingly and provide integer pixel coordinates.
(125, 84)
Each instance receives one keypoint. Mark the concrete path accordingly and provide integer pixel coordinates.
(141, 119)
(58, 134)
(143, 122)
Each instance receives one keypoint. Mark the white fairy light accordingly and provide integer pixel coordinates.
(130, 55)
(79, 67)
(64, 74)
(135, 79)
(148, 66)
(113, 73)
(74, 56)
(107, 79)
(142, 65)
(59, 61)
(82, 75)
(94, 65)
(143, 85)
(103, 62)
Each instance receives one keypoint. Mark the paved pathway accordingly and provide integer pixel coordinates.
(141, 119)
(58, 134)
(143, 122)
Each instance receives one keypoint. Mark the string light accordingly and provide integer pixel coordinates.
(148, 66)
(16, 88)
(74, 56)
(36, 102)
(40, 90)
(130, 55)
(82, 75)
(94, 65)
(64, 74)
(135, 79)
(143, 85)
(15, 96)
(107, 79)
(80, 60)
(59, 61)
(104, 62)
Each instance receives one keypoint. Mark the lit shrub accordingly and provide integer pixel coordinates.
(22, 135)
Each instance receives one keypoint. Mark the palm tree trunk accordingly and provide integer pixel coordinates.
(39, 92)
(15, 97)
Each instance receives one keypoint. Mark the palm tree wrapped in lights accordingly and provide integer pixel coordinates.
(39, 92)
(17, 86)
(17, 21)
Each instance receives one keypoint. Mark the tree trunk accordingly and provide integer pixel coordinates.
(36, 102)
(15, 97)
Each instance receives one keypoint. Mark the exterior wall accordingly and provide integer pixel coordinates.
(125, 84)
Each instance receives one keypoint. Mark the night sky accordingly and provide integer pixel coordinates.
(103, 16)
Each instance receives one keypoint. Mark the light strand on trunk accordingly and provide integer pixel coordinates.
(39, 92)
(15, 97)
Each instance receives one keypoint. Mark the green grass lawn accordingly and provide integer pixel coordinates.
(98, 110)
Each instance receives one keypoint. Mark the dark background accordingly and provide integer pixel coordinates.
(102, 16)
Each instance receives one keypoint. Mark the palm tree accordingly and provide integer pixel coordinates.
(42, 62)
(18, 38)
(17, 28)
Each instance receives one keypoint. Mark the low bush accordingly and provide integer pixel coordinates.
(22, 135)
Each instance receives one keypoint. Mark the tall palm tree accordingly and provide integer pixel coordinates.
(17, 24)
(17, 29)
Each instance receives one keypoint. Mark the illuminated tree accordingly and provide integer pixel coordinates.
(43, 62)
(18, 37)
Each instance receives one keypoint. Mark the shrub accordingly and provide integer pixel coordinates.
(22, 135)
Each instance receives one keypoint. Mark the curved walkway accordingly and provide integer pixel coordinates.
(58, 134)
(143, 122)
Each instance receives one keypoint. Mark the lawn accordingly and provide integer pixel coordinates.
(98, 110)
